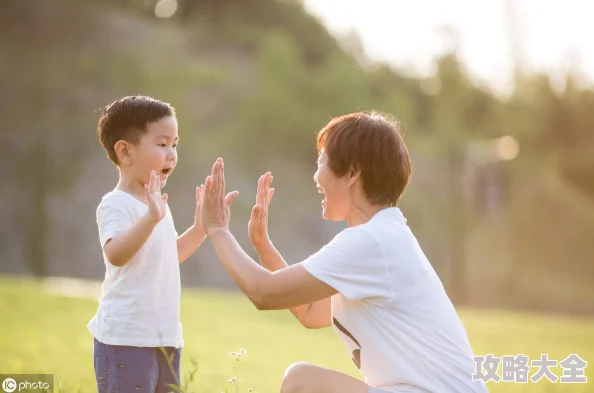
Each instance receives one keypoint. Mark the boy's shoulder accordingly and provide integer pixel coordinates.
(118, 200)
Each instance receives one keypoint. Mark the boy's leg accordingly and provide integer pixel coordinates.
(169, 372)
(103, 367)
(309, 378)
(120, 369)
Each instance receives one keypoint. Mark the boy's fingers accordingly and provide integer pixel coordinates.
(270, 195)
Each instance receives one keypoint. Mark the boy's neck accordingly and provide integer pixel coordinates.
(129, 184)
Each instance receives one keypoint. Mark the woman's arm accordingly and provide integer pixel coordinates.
(280, 290)
(284, 289)
(315, 315)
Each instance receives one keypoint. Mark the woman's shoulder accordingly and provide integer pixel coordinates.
(360, 237)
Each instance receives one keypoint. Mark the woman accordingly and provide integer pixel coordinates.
(372, 282)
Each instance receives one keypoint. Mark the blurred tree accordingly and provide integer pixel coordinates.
(256, 79)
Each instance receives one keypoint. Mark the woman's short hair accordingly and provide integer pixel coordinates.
(372, 144)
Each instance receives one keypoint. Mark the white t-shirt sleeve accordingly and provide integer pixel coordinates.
(353, 264)
(111, 221)
(175, 229)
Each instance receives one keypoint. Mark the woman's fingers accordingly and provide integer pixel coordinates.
(208, 187)
(263, 189)
(267, 189)
(260, 195)
(221, 177)
(231, 197)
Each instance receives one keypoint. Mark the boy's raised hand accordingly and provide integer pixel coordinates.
(157, 203)
(197, 215)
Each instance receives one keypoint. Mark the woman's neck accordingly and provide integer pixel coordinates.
(362, 214)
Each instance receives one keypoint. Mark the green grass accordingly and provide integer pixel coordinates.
(45, 333)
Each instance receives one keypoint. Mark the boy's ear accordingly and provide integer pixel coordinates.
(122, 150)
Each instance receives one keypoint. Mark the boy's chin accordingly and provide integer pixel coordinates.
(163, 182)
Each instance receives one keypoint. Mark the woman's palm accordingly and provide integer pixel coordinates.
(258, 224)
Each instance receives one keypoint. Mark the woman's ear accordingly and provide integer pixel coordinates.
(123, 152)
(353, 176)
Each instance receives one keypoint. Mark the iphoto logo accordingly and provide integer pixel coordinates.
(25, 383)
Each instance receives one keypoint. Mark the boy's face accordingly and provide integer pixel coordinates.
(156, 151)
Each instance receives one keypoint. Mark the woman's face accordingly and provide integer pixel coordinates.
(337, 199)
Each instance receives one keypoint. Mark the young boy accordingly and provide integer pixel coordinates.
(139, 309)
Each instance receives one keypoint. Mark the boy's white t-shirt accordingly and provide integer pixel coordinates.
(140, 301)
(392, 311)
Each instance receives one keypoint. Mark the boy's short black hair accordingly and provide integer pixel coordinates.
(127, 118)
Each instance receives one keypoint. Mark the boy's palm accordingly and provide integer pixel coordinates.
(157, 203)
(197, 214)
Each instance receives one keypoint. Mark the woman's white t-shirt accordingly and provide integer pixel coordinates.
(392, 311)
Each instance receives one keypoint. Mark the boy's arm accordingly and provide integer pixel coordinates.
(315, 315)
(122, 247)
(121, 241)
(189, 242)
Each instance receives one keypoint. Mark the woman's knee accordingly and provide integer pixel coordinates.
(296, 377)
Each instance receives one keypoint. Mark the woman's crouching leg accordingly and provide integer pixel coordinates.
(309, 378)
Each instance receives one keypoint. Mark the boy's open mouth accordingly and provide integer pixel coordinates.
(166, 171)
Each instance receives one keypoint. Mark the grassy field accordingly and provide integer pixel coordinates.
(44, 332)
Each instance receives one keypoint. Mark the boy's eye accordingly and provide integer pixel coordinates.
(162, 144)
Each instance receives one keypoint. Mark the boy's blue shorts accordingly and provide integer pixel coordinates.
(122, 369)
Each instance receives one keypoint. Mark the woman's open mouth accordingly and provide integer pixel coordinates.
(321, 191)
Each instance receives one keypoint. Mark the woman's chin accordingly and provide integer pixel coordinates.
(326, 214)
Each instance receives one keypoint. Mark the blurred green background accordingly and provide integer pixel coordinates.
(501, 199)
